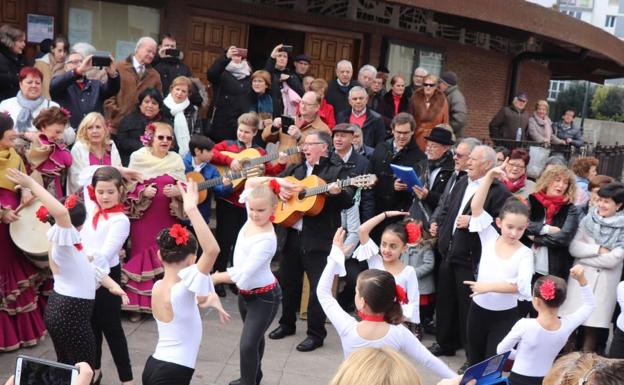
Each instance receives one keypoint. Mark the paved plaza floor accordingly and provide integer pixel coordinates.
(218, 356)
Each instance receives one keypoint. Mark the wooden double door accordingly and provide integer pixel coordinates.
(209, 37)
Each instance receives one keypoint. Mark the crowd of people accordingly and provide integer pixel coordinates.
(474, 252)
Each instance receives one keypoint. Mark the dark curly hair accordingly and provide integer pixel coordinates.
(171, 252)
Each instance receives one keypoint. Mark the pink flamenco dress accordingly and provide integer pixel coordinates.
(147, 218)
(21, 309)
(50, 161)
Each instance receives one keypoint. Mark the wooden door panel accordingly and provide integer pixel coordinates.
(10, 12)
(325, 51)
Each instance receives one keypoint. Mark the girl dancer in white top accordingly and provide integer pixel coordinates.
(68, 315)
(537, 341)
(175, 297)
(259, 293)
(505, 271)
(394, 242)
(377, 299)
(103, 236)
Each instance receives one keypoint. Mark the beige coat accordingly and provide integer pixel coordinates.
(287, 141)
(48, 67)
(126, 100)
(603, 272)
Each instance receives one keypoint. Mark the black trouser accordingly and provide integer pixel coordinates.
(519, 379)
(68, 320)
(452, 303)
(617, 345)
(106, 321)
(347, 295)
(230, 219)
(257, 312)
(486, 329)
(295, 261)
(157, 372)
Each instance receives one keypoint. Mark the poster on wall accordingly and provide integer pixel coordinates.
(39, 27)
(80, 25)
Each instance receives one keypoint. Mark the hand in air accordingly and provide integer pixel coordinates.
(212, 300)
(190, 195)
(338, 241)
(396, 213)
(498, 172)
(578, 273)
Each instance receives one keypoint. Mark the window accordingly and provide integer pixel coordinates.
(404, 59)
(610, 21)
(575, 14)
(111, 26)
(577, 3)
(554, 88)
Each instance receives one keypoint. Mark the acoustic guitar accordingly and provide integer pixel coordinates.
(251, 157)
(311, 199)
(203, 185)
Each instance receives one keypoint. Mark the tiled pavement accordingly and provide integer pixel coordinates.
(218, 357)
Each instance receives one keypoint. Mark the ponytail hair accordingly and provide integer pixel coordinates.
(378, 289)
(550, 289)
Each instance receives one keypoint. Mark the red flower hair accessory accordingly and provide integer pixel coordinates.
(413, 231)
(42, 214)
(148, 135)
(179, 233)
(401, 296)
(275, 186)
(91, 191)
(547, 290)
(65, 112)
(71, 201)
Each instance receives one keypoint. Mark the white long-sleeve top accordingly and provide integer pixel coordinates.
(620, 298)
(516, 269)
(537, 347)
(398, 336)
(252, 256)
(76, 276)
(179, 339)
(407, 278)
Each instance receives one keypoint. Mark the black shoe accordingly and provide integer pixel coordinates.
(281, 332)
(238, 381)
(430, 328)
(220, 290)
(309, 344)
(463, 368)
(438, 350)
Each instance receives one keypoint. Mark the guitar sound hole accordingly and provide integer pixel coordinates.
(245, 163)
(301, 195)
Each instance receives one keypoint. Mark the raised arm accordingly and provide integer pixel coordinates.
(476, 206)
(206, 240)
(370, 224)
(55, 208)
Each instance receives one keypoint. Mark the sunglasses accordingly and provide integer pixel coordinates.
(429, 85)
(162, 138)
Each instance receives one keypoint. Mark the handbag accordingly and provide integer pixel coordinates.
(538, 156)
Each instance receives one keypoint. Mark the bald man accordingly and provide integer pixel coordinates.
(136, 75)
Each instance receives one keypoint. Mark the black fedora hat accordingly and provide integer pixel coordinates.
(440, 134)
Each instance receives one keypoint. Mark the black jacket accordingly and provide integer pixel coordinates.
(10, 66)
(65, 91)
(386, 198)
(276, 85)
(357, 164)
(131, 127)
(170, 68)
(339, 97)
(559, 258)
(318, 231)
(192, 118)
(386, 107)
(464, 247)
(373, 131)
(447, 167)
(230, 100)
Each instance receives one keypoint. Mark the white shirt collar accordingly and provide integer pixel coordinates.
(347, 156)
(358, 114)
(340, 83)
(137, 66)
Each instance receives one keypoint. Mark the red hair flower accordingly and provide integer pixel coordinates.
(66, 112)
(179, 233)
(91, 191)
(547, 290)
(413, 232)
(71, 201)
(275, 186)
(148, 134)
(42, 214)
(401, 296)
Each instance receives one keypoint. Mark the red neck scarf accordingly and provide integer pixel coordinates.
(515, 185)
(371, 317)
(119, 208)
(552, 204)
(397, 102)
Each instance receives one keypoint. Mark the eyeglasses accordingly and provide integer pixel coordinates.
(74, 62)
(459, 156)
(429, 85)
(308, 104)
(307, 144)
(163, 138)
(515, 165)
(403, 133)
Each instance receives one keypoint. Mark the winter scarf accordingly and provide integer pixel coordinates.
(606, 231)
(515, 185)
(180, 125)
(239, 70)
(24, 118)
(551, 203)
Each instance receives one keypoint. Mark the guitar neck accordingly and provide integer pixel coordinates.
(324, 188)
(271, 157)
(210, 183)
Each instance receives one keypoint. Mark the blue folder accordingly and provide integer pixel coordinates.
(407, 175)
(487, 372)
